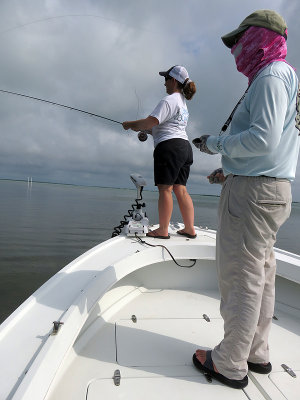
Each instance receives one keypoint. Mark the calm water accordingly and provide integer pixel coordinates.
(44, 227)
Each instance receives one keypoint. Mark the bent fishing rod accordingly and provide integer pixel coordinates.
(58, 104)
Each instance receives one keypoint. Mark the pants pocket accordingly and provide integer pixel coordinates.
(271, 203)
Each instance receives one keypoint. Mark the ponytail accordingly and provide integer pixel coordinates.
(188, 88)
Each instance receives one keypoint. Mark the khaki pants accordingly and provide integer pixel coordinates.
(251, 210)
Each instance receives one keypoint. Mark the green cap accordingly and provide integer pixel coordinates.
(265, 18)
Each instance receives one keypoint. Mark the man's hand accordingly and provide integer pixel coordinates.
(200, 143)
(216, 176)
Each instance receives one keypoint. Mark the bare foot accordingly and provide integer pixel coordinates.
(201, 356)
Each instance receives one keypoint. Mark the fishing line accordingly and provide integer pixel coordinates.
(138, 108)
(59, 105)
(71, 16)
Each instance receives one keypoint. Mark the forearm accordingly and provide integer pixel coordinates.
(141, 124)
(245, 144)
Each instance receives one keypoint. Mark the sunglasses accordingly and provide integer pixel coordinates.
(167, 78)
(238, 37)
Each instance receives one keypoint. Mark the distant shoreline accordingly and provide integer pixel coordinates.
(103, 187)
(92, 186)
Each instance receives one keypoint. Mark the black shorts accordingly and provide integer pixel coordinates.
(172, 161)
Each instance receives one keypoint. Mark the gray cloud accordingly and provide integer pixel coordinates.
(104, 57)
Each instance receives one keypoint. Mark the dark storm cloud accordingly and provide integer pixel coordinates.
(104, 57)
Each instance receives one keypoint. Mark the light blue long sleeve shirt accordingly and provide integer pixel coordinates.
(263, 139)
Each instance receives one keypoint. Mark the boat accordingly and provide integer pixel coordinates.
(123, 320)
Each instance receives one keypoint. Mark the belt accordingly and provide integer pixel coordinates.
(263, 176)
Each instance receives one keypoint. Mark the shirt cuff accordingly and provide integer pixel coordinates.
(213, 144)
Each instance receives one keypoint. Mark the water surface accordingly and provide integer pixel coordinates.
(46, 226)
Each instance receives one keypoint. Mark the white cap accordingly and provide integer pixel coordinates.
(178, 72)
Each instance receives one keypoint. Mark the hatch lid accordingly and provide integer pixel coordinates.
(175, 388)
(288, 386)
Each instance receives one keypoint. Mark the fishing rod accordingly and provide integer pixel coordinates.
(59, 105)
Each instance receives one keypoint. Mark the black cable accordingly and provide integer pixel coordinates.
(60, 105)
(164, 247)
(118, 230)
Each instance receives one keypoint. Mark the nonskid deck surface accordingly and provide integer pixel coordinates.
(151, 341)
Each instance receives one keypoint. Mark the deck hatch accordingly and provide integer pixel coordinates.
(289, 386)
(175, 388)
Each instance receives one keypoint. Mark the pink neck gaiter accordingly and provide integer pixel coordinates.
(257, 48)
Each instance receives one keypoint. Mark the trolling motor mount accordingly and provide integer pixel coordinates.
(136, 222)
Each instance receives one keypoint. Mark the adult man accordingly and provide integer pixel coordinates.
(259, 158)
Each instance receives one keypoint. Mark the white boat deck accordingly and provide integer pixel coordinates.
(96, 297)
(154, 354)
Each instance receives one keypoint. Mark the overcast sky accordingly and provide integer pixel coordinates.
(104, 57)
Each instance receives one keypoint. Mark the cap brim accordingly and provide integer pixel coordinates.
(163, 73)
(230, 39)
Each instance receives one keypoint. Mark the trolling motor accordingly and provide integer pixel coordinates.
(139, 182)
(136, 222)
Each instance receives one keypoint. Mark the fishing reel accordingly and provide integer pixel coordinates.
(143, 135)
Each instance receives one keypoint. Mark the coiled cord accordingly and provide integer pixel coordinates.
(118, 229)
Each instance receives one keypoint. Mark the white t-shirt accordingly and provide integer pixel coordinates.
(172, 115)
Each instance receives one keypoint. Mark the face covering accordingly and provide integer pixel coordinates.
(257, 48)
